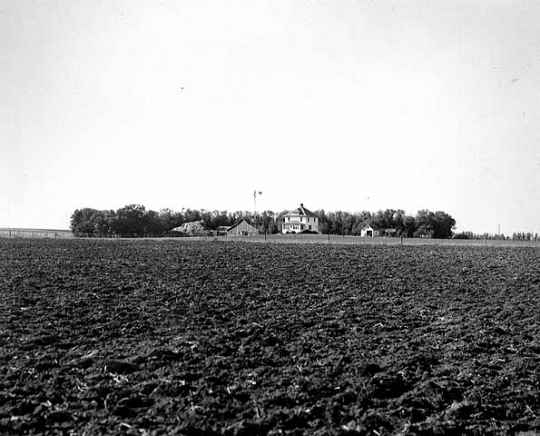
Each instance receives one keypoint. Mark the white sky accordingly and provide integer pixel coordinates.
(341, 105)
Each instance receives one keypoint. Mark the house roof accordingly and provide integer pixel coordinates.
(301, 211)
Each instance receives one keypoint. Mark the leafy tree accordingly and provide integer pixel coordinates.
(170, 219)
(268, 222)
(398, 222)
(522, 236)
(464, 235)
(361, 220)
(102, 222)
(131, 220)
(424, 223)
(349, 221)
(82, 222)
(434, 225)
(222, 218)
(75, 222)
(152, 224)
(336, 220)
(193, 215)
(323, 221)
(208, 219)
(442, 225)
(409, 226)
(383, 219)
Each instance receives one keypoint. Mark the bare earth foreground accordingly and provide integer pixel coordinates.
(214, 338)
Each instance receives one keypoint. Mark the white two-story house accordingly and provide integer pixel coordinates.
(300, 220)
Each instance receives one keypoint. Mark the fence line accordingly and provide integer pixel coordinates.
(293, 239)
(359, 240)
(35, 233)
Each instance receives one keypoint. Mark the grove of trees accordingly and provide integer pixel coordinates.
(424, 224)
(135, 220)
(516, 236)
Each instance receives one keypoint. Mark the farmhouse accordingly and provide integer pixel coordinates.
(300, 220)
(242, 227)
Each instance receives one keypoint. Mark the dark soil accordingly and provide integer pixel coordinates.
(208, 338)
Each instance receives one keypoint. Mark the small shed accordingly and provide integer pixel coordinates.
(242, 227)
(391, 233)
(222, 230)
(370, 232)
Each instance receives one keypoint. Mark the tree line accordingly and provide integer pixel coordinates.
(135, 220)
(516, 236)
(424, 224)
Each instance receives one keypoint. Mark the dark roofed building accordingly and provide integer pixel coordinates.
(242, 227)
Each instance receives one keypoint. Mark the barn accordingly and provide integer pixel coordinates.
(242, 227)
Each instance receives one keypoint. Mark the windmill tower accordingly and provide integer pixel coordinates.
(255, 193)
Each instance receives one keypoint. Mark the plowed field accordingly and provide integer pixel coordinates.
(212, 338)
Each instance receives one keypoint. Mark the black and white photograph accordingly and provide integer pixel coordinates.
(269, 217)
